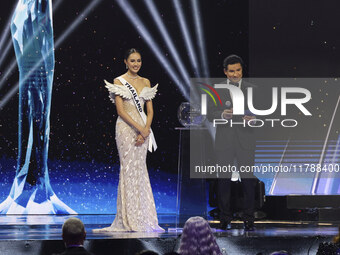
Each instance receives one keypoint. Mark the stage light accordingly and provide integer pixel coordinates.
(146, 35)
(13, 63)
(8, 72)
(200, 37)
(186, 35)
(316, 180)
(66, 33)
(149, 245)
(56, 4)
(276, 176)
(166, 37)
(77, 21)
(330, 178)
(4, 52)
(6, 34)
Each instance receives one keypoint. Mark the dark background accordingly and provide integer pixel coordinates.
(294, 38)
(299, 39)
(276, 38)
(82, 117)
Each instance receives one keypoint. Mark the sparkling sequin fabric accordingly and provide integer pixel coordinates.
(135, 203)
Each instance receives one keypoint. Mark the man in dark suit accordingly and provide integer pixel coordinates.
(74, 235)
(234, 145)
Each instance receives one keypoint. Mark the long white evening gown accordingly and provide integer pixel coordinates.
(135, 203)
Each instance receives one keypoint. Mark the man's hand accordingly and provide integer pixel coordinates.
(139, 140)
(227, 114)
(248, 118)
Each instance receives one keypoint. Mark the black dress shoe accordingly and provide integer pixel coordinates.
(249, 225)
(225, 225)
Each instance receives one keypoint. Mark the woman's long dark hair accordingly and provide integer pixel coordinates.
(130, 51)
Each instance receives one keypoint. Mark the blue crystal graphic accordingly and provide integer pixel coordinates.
(32, 35)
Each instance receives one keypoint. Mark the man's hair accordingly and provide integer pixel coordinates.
(232, 59)
(73, 231)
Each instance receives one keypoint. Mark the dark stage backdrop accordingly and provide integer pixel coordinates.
(83, 159)
(294, 38)
(286, 39)
(299, 39)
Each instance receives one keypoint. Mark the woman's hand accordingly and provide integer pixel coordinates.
(139, 140)
(145, 132)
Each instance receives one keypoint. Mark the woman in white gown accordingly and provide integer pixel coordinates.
(135, 203)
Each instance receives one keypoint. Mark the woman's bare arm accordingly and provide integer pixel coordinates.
(126, 117)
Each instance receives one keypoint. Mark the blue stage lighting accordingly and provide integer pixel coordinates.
(4, 53)
(8, 72)
(77, 21)
(276, 176)
(56, 4)
(329, 182)
(316, 180)
(146, 35)
(6, 37)
(164, 32)
(186, 35)
(200, 37)
(6, 34)
(60, 40)
(31, 191)
(8, 96)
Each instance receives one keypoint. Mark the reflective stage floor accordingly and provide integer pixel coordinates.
(42, 235)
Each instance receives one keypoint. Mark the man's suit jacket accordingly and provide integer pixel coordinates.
(224, 133)
(75, 251)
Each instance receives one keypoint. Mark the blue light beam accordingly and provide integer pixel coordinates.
(5, 52)
(13, 63)
(6, 34)
(200, 36)
(166, 37)
(316, 180)
(63, 37)
(186, 35)
(136, 21)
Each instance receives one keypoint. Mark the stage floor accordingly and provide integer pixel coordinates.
(41, 234)
(48, 227)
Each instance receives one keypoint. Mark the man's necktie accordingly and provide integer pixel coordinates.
(235, 84)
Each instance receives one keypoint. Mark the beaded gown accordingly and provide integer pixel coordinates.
(135, 203)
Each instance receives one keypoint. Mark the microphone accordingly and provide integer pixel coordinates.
(228, 107)
(228, 104)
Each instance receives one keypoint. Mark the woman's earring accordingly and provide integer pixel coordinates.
(126, 66)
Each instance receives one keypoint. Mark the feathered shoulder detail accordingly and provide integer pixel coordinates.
(119, 90)
(149, 93)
